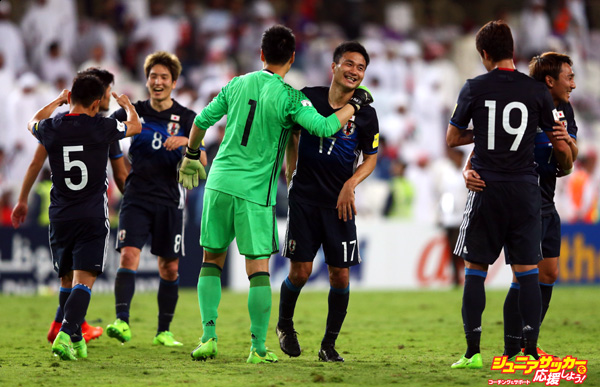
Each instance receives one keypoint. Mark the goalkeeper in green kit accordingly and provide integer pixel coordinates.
(239, 200)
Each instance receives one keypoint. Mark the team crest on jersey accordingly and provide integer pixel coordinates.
(174, 117)
(349, 128)
(172, 128)
(292, 245)
(122, 234)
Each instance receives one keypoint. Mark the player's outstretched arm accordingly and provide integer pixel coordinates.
(191, 170)
(47, 110)
(291, 155)
(134, 126)
(19, 213)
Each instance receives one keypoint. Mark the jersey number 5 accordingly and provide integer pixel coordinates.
(519, 131)
(69, 164)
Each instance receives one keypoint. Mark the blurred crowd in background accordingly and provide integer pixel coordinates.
(419, 61)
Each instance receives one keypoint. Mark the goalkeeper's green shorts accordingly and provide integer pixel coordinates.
(225, 217)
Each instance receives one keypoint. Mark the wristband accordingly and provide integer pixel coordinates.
(192, 154)
(567, 171)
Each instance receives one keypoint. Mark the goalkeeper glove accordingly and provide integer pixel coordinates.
(361, 97)
(191, 169)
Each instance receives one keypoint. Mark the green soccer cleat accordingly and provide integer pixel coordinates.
(205, 350)
(474, 362)
(255, 358)
(119, 330)
(166, 338)
(62, 347)
(80, 348)
(520, 354)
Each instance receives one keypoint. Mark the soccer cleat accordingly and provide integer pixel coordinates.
(521, 355)
(53, 331)
(80, 348)
(328, 353)
(166, 338)
(90, 332)
(119, 330)
(62, 347)
(288, 341)
(205, 350)
(255, 358)
(541, 353)
(474, 362)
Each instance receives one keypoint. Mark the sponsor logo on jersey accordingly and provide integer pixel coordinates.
(465, 251)
(292, 245)
(306, 102)
(122, 234)
(173, 128)
(174, 117)
(142, 120)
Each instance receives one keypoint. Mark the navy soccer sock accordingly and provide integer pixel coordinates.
(530, 307)
(75, 311)
(513, 324)
(546, 290)
(63, 296)
(338, 306)
(168, 293)
(124, 290)
(472, 308)
(287, 303)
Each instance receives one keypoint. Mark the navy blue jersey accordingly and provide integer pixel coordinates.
(77, 147)
(325, 163)
(544, 156)
(506, 107)
(153, 174)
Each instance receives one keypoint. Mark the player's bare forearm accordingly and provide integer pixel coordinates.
(120, 173)
(473, 181)
(457, 137)
(32, 172)
(560, 139)
(291, 156)
(196, 137)
(174, 142)
(47, 110)
(346, 200)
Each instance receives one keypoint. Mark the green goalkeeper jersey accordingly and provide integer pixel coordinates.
(261, 111)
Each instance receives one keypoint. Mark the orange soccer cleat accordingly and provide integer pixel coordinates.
(90, 332)
(53, 331)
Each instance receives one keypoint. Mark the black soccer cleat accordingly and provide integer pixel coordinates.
(288, 341)
(329, 353)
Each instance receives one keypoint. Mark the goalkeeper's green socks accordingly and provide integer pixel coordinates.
(209, 297)
(259, 307)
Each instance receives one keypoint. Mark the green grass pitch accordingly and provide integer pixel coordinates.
(407, 338)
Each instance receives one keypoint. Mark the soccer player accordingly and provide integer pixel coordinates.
(239, 200)
(555, 71)
(506, 107)
(321, 199)
(77, 144)
(153, 201)
(20, 210)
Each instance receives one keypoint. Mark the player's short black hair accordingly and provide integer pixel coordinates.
(352, 46)
(166, 59)
(549, 63)
(105, 76)
(496, 39)
(278, 44)
(86, 89)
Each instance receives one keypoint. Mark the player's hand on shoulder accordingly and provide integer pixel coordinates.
(560, 132)
(362, 97)
(473, 181)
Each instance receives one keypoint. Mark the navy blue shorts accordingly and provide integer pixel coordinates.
(309, 227)
(551, 235)
(141, 219)
(79, 245)
(504, 214)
